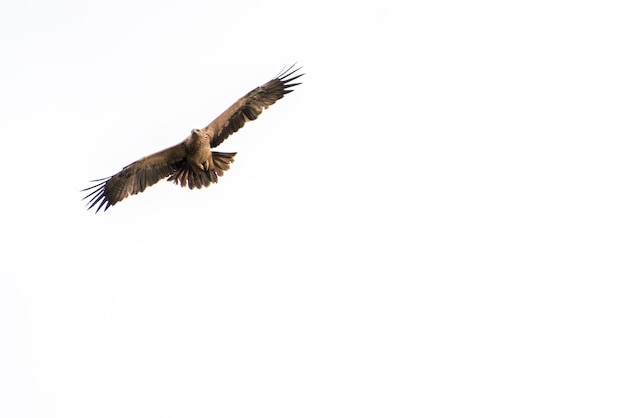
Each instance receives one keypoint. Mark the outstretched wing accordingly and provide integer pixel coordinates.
(134, 178)
(250, 106)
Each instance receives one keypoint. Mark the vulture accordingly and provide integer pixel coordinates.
(192, 163)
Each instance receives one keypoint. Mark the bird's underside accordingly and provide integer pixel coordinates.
(192, 163)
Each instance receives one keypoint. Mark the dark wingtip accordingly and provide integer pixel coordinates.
(96, 195)
(287, 72)
(103, 180)
(287, 75)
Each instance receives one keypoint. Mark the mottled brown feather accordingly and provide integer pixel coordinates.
(135, 177)
(250, 106)
(186, 176)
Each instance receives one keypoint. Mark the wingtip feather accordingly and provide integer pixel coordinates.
(284, 74)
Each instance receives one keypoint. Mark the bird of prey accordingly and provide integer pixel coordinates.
(192, 163)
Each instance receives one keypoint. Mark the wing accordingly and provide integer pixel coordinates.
(250, 106)
(134, 178)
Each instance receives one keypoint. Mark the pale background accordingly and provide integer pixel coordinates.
(432, 224)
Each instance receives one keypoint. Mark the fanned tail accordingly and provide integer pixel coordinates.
(186, 176)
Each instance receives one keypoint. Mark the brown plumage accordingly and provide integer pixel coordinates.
(192, 163)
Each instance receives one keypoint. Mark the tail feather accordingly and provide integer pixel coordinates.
(186, 176)
(222, 160)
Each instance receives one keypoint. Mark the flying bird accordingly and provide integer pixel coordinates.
(192, 163)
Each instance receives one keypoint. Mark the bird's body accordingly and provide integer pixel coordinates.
(198, 148)
(192, 163)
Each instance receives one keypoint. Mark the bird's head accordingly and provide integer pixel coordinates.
(196, 132)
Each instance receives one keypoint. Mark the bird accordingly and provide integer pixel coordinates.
(192, 163)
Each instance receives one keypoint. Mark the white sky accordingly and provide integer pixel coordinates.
(432, 225)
